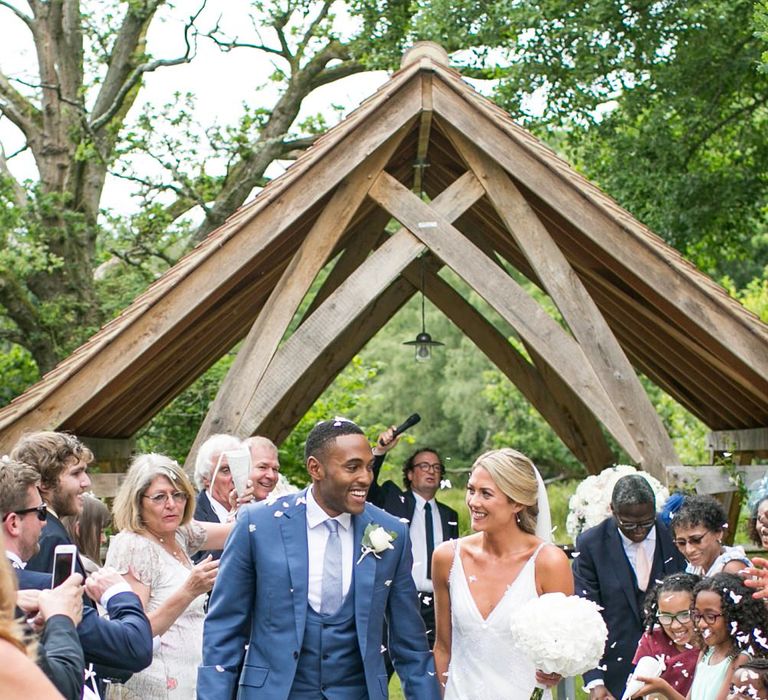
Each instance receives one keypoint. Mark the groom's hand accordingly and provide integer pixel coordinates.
(600, 692)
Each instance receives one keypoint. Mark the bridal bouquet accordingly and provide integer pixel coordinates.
(591, 503)
(560, 634)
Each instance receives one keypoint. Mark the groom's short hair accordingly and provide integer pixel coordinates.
(326, 431)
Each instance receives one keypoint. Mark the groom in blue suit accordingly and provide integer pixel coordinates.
(305, 585)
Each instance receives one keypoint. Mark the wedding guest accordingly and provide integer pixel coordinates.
(481, 579)
(153, 511)
(87, 530)
(430, 522)
(614, 565)
(669, 633)
(697, 528)
(62, 462)
(757, 526)
(733, 628)
(116, 647)
(750, 681)
(20, 677)
(265, 466)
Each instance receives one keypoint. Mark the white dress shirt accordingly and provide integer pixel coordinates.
(317, 537)
(221, 512)
(15, 560)
(419, 542)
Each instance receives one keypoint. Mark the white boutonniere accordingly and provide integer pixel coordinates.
(375, 541)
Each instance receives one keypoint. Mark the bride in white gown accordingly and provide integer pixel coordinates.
(480, 580)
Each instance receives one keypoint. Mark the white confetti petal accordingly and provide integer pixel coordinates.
(278, 513)
(251, 528)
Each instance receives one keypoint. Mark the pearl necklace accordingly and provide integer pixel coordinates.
(175, 552)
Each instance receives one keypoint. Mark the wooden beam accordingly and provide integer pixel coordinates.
(508, 298)
(753, 440)
(711, 479)
(577, 307)
(425, 125)
(242, 381)
(294, 405)
(709, 316)
(562, 409)
(347, 302)
(358, 247)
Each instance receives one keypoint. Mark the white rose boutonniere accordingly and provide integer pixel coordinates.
(375, 541)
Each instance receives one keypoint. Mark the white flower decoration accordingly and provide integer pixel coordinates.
(375, 541)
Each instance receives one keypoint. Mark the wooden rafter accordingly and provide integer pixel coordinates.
(509, 299)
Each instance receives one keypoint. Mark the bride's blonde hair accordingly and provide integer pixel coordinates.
(514, 474)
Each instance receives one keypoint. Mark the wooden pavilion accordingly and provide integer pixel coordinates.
(472, 192)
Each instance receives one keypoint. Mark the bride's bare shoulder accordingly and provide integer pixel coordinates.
(553, 570)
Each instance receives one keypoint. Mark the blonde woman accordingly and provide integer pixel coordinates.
(480, 580)
(153, 511)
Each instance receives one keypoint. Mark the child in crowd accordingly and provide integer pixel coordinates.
(733, 628)
(669, 632)
(750, 681)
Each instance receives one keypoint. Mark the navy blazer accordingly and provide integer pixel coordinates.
(60, 656)
(120, 645)
(204, 512)
(258, 612)
(53, 534)
(602, 573)
(402, 504)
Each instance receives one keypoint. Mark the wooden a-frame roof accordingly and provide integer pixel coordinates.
(495, 196)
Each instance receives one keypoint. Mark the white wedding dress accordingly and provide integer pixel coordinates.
(485, 665)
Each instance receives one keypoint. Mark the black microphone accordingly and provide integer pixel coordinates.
(407, 423)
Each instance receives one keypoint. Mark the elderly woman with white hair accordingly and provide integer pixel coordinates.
(153, 511)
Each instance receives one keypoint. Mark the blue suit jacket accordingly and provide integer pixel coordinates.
(53, 533)
(260, 599)
(602, 573)
(122, 644)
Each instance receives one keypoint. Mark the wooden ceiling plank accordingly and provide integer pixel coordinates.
(714, 322)
(507, 297)
(578, 430)
(578, 309)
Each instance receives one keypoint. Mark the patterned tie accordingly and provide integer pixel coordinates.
(331, 591)
(642, 567)
(430, 536)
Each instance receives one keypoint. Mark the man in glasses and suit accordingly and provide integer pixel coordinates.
(430, 521)
(615, 563)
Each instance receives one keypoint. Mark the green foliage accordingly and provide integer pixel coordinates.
(18, 370)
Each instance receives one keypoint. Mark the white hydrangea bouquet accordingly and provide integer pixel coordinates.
(560, 634)
(591, 503)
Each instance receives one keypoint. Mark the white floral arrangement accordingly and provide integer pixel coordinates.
(591, 503)
(560, 634)
(375, 541)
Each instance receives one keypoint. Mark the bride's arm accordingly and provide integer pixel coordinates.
(441, 567)
(553, 571)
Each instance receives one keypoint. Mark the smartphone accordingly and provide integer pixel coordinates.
(240, 467)
(64, 559)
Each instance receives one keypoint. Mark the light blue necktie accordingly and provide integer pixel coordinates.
(331, 592)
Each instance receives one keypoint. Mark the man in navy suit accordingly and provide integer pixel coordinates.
(62, 462)
(305, 585)
(118, 646)
(430, 522)
(615, 563)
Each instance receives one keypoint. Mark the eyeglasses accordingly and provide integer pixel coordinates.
(631, 527)
(41, 510)
(159, 499)
(695, 540)
(709, 618)
(666, 619)
(427, 467)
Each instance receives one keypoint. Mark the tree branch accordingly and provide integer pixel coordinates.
(19, 195)
(111, 98)
(310, 33)
(19, 109)
(337, 72)
(29, 21)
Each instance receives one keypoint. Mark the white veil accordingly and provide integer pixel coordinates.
(544, 521)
